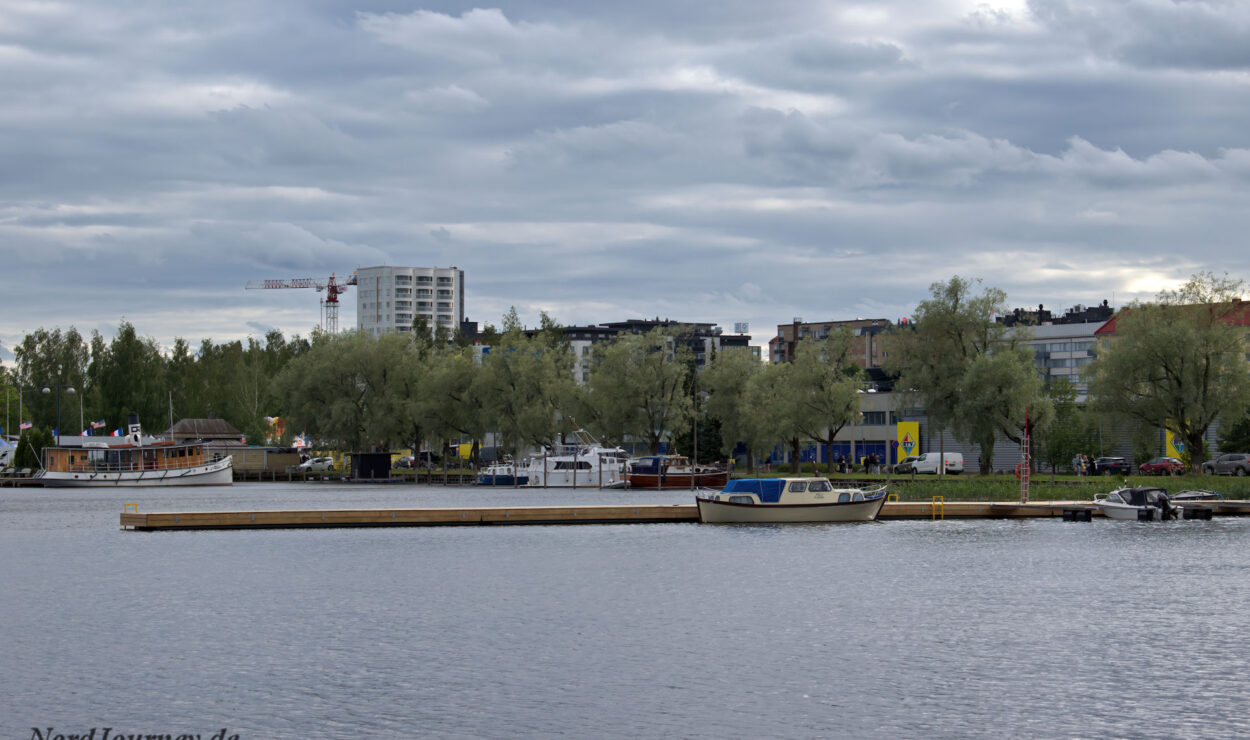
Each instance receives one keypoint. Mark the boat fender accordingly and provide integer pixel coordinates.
(1018, 469)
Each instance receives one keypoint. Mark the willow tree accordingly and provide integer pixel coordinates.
(639, 383)
(825, 388)
(1178, 362)
(970, 376)
(726, 381)
(347, 389)
(525, 386)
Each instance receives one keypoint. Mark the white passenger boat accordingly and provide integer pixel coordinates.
(1137, 504)
(581, 462)
(761, 500)
(134, 461)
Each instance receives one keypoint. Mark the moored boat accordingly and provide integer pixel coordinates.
(134, 461)
(580, 462)
(788, 500)
(673, 471)
(1137, 504)
(501, 474)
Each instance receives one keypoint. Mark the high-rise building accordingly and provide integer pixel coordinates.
(389, 299)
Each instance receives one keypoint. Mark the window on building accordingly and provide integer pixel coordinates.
(444, 281)
(874, 418)
(425, 279)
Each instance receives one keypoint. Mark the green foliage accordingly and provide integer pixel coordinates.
(638, 386)
(30, 447)
(960, 365)
(348, 388)
(727, 381)
(1176, 362)
(1071, 432)
(525, 386)
(826, 388)
(1235, 435)
(44, 360)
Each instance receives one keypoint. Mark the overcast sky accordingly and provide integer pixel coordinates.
(604, 160)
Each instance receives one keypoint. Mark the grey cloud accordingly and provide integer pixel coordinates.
(604, 160)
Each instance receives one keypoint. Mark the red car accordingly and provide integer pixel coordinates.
(1162, 466)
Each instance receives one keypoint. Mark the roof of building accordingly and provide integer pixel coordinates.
(1239, 315)
(205, 429)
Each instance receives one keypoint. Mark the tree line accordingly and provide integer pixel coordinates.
(1175, 362)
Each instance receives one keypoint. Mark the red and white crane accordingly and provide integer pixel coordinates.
(329, 304)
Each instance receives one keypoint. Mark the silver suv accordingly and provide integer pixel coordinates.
(1236, 463)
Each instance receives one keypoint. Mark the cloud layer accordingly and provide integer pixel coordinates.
(603, 161)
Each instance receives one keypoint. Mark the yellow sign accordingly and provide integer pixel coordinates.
(908, 439)
(1175, 444)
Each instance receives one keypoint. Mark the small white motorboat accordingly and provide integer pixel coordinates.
(1137, 504)
(788, 500)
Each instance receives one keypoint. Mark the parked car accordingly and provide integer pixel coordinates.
(904, 466)
(1162, 466)
(928, 463)
(1234, 463)
(316, 464)
(1112, 466)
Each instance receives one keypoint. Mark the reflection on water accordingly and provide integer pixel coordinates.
(889, 629)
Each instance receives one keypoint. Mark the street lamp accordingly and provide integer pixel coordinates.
(69, 390)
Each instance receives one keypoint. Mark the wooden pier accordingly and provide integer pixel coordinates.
(611, 514)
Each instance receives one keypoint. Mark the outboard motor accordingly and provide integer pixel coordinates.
(1166, 509)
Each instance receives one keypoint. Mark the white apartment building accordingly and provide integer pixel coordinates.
(389, 298)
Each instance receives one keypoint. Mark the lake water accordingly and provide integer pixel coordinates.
(890, 629)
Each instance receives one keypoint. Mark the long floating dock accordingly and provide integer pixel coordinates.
(611, 514)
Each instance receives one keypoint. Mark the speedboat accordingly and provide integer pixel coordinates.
(1137, 504)
(581, 462)
(786, 500)
(673, 471)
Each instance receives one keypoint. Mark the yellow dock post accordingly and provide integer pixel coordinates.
(939, 505)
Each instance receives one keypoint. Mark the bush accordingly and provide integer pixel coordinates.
(30, 441)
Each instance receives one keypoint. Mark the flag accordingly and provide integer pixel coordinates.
(86, 432)
(26, 425)
(116, 433)
(97, 424)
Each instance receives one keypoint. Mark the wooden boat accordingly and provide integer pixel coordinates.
(132, 461)
(673, 471)
(768, 500)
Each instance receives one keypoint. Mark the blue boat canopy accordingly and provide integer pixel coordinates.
(767, 489)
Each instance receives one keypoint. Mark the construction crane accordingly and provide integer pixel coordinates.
(329, 304)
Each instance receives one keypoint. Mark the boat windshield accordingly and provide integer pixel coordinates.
(797, 486)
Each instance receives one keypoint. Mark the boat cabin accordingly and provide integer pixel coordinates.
(1139, 496)
(123, 458)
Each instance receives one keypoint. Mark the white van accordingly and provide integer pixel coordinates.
(928, 463)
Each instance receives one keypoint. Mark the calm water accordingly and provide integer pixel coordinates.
(890, 629)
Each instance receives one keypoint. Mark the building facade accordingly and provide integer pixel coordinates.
(389, 298)
(866, 348)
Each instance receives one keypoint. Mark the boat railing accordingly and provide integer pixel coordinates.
(130, 467)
